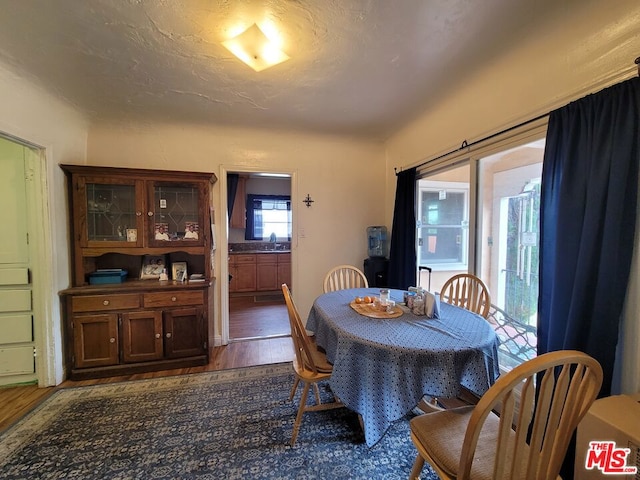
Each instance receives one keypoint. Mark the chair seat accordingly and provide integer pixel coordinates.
(320, 359)
(440, 436)
(541, 403)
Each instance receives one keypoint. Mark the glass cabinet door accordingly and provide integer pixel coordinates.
(176, 214)
(113, 213)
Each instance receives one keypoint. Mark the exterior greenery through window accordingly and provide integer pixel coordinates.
(268, 217)
(522, 253)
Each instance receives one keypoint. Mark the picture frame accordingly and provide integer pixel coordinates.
(191, 231)
(152, 267)
(132, 235)
(161, 231)
(179, 271)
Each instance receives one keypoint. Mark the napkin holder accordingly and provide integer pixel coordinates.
(424, 303)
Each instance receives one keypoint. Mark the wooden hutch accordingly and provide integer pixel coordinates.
(144, 223)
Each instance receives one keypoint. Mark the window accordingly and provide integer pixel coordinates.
(268, 217)
(443, 224)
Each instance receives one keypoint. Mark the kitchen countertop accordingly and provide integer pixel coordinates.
(239, 252)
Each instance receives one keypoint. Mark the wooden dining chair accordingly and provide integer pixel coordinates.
(467, 291)
(344, 276)
(530, 437)
(310, 366)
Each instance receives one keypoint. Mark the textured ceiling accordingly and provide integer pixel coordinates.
(360, 67)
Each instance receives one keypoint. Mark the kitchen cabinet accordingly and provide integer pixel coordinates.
(239, 213)
(242, 268)
(118, 217)
(284, 269)
(266, 271)
(259, 272)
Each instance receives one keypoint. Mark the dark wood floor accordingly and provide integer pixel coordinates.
(248, 319)
(257, 317)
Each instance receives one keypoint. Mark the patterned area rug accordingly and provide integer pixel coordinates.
(232, 424)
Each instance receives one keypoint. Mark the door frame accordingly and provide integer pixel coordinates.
(222, 230)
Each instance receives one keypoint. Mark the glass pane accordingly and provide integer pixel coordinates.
(443, 221)
(442, 208)
(176, 212)
(275, 221)
(510, 230)
(111, 210)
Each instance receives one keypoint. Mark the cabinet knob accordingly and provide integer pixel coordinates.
(157, 335)
(105, 302)
(150, 214)
(173, 299)
(138, 214)
(169, 335)
(112, 340)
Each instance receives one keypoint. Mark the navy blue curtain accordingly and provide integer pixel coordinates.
(253, 230)
(587, 224)
(587, 214)
(402, 252)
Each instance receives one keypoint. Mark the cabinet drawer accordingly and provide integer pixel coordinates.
(284, 258)
(173, 298)
(96, 303)
(236, 259)
(267, 258)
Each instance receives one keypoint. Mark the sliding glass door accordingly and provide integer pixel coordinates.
(482, 216)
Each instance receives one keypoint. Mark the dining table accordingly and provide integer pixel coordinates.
(382, 367)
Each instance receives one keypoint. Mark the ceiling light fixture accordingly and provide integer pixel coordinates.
(255, 49)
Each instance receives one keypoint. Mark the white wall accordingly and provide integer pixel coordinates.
(342, 175)
(33, 116)
(580, 52)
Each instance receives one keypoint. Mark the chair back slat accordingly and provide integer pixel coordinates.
(467, 291)
(525, 414)
(569, 384)
(503, 447)
(343, 277)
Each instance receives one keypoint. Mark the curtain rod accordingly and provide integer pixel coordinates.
(465, 144)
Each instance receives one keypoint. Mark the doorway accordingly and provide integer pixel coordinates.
(259, 254)
(18, 318)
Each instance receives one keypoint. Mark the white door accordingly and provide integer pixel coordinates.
(17, 363)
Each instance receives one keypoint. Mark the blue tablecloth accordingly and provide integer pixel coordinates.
(383, 367)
